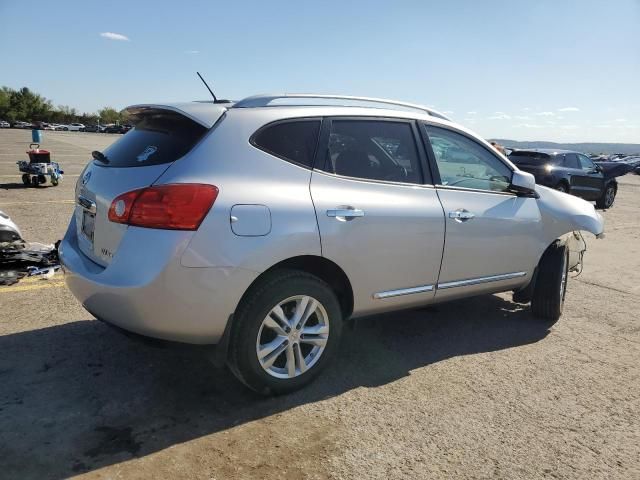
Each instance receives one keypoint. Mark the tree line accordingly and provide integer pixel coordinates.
(28, 106)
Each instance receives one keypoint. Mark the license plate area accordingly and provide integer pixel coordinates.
(88, 224)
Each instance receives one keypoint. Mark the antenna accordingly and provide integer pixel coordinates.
(215, 100)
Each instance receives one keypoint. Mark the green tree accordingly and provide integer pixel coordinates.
(109, 115)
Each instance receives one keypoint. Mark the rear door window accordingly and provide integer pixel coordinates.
(571, 160)
(382, 150)
(294, 140)
(158, 137)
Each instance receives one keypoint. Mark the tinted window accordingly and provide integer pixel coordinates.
(293, 141)
(532, 158)
(463, 162)
(586, 163)
(571, 160)
(373, 150)
(159, 137)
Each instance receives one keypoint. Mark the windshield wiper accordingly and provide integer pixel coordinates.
(99, 156)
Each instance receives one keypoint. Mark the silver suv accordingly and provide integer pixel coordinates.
(263, 225)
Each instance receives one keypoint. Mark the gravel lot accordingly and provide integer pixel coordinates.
(472, 389)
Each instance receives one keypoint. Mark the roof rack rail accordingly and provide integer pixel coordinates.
(265, 100)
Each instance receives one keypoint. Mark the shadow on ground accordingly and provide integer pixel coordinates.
(14, 186)
(80, 396)
(22, 186)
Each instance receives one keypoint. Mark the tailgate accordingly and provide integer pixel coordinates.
(161, 136)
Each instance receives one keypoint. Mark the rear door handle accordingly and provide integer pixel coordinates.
(345, 212)
(461, 215)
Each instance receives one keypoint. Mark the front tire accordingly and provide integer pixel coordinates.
(550, 290)
(287, 329)
(607, 198)
(562, 187)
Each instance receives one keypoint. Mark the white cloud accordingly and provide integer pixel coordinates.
(472, 113)
(470, 120)
(192, 52)
(569, 109)
(447, 112)
(569, 127)
(526, 109)
(528, 125)
(499, 116)
(115, 36)
(545, 114)
(604, 126)
(621, 119)
(522, 117)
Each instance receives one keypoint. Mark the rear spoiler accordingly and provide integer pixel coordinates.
(203, 113)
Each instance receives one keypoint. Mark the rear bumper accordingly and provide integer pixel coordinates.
(145, 290)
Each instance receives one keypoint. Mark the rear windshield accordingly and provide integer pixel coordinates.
(531, 158)
(157, 137)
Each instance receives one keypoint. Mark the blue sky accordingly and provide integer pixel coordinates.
(564, 70)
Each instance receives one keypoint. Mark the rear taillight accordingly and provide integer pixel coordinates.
(180, 206)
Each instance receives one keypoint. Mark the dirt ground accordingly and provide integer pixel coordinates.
(471, 389)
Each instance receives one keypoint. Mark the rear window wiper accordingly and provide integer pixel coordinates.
(99, 156)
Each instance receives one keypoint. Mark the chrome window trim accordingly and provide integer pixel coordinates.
(507, 193)
(478, 280)
(370, 180)
(403, 291)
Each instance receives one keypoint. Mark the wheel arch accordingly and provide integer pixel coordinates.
(321, 267)
(564, 181)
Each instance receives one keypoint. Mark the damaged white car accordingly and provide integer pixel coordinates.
(262, 225)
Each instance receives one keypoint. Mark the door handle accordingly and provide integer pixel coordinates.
(345, 213)
(461, 215)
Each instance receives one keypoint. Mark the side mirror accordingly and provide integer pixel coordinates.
(524, 184)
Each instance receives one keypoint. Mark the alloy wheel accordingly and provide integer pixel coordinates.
(292, 337)
(609, 197)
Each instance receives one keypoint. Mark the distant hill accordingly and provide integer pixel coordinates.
(607, 148)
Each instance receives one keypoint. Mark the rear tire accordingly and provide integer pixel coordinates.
(26, 179)
(265, 322)
(551, 283)
(562, 187)
(607, 198)
(34, 181)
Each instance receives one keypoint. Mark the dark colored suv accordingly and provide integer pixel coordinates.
(570, 172)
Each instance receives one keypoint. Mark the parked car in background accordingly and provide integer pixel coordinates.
(21, 124)
(569, 172)
(92, 128)
(263, 227)
(48, 126)
(59, 127)
(75, 127)
(116, 129)
(4, 124)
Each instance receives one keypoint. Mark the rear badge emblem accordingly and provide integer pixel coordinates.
(86, 178)
(146, 153)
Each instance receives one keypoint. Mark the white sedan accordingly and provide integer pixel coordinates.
(75, 127)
